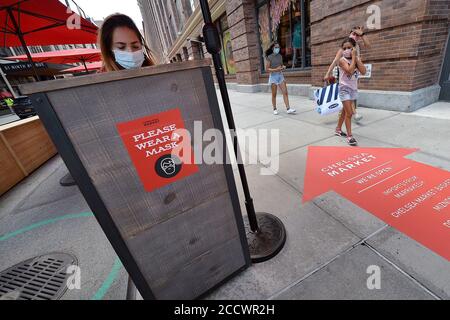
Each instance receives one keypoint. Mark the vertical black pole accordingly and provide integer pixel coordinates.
(22, 41)
(220, 75)
(267, 234)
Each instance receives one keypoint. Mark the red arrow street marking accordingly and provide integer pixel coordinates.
(410, 196)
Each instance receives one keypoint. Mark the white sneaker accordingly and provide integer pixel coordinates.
(291, 110)
(358, 117)
(275, 112)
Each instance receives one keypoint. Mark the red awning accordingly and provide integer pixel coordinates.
(63, 56)
(89, 66)
(42, 22)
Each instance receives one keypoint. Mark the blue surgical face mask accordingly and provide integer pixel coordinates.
(276, 50)
(129, 60)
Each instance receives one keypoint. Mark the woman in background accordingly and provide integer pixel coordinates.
(275, 66)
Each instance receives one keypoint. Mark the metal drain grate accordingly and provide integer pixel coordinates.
(39, 278)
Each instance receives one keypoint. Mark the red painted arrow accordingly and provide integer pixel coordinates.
(410, 196)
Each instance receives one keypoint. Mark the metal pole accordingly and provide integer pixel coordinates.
(220, 75)
(267, 234)
(22, 41)
(85, 67)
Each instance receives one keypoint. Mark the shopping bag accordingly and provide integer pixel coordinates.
(328, 100)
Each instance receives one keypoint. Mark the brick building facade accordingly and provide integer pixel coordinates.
(408, 52)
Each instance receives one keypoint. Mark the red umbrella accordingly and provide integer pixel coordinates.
(64, 56)
(42, 22)
(88, 67)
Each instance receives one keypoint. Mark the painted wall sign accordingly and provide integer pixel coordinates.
(368, 72)
(410, 196)
(153, 143)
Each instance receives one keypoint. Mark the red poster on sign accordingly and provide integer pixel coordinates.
(160, 148)
(410, 196)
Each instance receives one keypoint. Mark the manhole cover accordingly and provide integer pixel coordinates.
(39, 278)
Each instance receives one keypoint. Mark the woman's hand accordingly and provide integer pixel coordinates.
(359, 30)
(354, 53)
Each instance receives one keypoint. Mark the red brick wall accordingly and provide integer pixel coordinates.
(241, 16)
(407, 51)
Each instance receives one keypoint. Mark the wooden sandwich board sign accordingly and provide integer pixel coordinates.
(178, 230)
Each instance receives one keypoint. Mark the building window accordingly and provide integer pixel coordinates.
(288, 23)
(200, 50)
(185, 54)
(227, 51)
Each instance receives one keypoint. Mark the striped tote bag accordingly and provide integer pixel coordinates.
(327, 99)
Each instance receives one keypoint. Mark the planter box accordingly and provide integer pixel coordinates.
(24, 146)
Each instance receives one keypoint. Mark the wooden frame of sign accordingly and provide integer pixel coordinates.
(181, 239)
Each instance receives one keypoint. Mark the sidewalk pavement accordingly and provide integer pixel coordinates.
(330, 241)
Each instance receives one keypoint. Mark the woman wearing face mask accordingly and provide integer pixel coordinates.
(275, 67)
(350, 65)
(357, 34)
(122, 45)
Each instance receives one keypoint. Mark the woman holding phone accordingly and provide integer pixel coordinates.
(357, 34)
(275, 66)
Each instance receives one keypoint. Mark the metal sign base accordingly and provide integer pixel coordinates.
(269, 240)
(67, 181)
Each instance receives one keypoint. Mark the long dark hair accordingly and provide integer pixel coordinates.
(270, 50)
(105, 41)
(351, 40)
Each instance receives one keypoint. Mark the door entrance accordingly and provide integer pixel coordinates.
(445, 76)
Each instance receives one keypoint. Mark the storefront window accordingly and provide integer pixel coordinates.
(227, 51)
(288, 23)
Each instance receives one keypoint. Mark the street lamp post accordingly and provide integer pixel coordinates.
(266, 234)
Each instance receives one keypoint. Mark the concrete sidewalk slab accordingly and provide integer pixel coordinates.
(424, 265)
(290, 136)
(437, 110)
(15, 196)
(346, 279)
(430, 135)
(369, 116)
(253, 118)
(62, 222)
(313, 238)
(81, 237)
(52, 189)
(70, 205)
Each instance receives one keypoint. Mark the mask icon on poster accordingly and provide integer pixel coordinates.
(168, 166)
